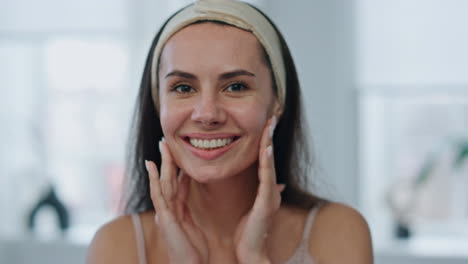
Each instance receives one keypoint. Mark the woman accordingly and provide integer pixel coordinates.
(220, 155)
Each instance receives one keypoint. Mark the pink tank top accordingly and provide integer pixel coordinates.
(301, 254)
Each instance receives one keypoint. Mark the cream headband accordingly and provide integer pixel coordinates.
(234, 13)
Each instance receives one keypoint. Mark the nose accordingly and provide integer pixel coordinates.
(208, 111)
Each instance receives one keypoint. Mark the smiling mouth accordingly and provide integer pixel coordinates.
(209, 144)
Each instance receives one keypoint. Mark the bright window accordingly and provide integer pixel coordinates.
(86, 123)
(413, 103)
(414, 159)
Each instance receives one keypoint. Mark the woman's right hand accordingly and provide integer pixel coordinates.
(185, 242)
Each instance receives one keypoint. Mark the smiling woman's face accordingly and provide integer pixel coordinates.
(216, 95)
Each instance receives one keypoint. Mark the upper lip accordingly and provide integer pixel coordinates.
(210, 136)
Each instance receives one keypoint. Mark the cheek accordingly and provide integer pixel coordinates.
(171, 117)
(251, 116)
(166, 121)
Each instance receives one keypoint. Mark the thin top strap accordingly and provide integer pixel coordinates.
(140, 239)
(309, 222)
(302, 254)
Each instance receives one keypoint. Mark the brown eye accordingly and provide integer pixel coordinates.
(236, 87)
(183, 88)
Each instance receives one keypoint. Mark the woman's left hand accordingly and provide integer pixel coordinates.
(252, 231)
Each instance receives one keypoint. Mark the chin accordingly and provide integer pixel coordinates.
(216, 173)
(211, 174)
(208, 175)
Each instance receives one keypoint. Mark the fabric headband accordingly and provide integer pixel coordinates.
(234, 13)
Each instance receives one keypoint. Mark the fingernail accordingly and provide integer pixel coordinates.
(147, 165)
(272, 126)
(269, 151)
(281, 187)
(163, 139)
(160, 143)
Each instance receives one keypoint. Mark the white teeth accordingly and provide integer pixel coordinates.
(210, 144)
(213, 143)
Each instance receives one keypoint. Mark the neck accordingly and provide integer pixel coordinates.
(217, 207)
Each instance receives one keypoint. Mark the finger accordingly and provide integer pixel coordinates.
(184, 187)
(188, 217)
(182, 194)
(267, 134)
(163, 216)
(195, 234)
(277, 197)
(280, 187)
(268, 197)
(266, 171)
(168, 175)
(266, 141)
(155, 188)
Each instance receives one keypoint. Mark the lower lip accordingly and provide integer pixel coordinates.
(209, 154)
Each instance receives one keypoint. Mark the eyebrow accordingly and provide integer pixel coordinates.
(223, 76)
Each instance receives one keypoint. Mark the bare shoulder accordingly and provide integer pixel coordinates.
(113, 243)
(341, 229)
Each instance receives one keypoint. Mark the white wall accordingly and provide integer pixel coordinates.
(412, 42)
(29, 16)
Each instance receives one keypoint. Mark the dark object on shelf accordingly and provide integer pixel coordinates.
(402, 231)
(50, 199)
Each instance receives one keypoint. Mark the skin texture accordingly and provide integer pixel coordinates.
(220, 210)
(207, 51)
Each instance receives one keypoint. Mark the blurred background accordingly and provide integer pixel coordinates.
(385, 86)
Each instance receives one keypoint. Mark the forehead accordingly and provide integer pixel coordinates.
(213, 44)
